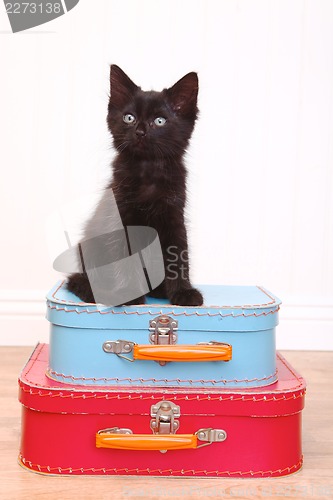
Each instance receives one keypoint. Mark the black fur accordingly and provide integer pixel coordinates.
(149, 175)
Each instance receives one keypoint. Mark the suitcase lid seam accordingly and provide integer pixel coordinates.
(273, 303)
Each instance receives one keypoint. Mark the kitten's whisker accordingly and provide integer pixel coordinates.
(123, 146)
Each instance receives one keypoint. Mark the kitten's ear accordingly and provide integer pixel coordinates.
(122, 88)
(183, 95)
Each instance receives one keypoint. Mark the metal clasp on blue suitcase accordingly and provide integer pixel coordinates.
(163, 347)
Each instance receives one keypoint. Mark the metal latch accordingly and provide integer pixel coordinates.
(115, 430)
(118, 347)
(164, 415)
(211, 435)
(163, 330)
(164, 418)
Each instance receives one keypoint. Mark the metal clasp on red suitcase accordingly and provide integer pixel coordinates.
(164, 426)
(164, 349)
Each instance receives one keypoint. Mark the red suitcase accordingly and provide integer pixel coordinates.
(70, 429)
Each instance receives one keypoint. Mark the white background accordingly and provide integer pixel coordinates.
(261, 162)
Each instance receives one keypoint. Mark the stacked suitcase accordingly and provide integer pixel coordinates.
(162, 390)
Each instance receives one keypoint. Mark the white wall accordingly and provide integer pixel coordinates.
(261, 162)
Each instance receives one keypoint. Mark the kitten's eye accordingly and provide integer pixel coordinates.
(160, 121)
(129, 119)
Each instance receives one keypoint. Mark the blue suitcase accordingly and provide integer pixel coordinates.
(227, 342)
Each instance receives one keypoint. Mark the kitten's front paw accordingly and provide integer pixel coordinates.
(187, 297)
(79, 285)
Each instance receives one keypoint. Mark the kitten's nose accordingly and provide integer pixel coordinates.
(140, 130)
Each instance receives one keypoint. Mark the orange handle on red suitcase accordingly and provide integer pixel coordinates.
(123, 439)
(146, 441)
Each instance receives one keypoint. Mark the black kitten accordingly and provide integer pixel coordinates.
(151, 131)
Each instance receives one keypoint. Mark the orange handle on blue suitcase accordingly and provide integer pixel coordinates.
(199, 352)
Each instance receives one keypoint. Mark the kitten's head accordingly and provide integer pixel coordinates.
(151, 124)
